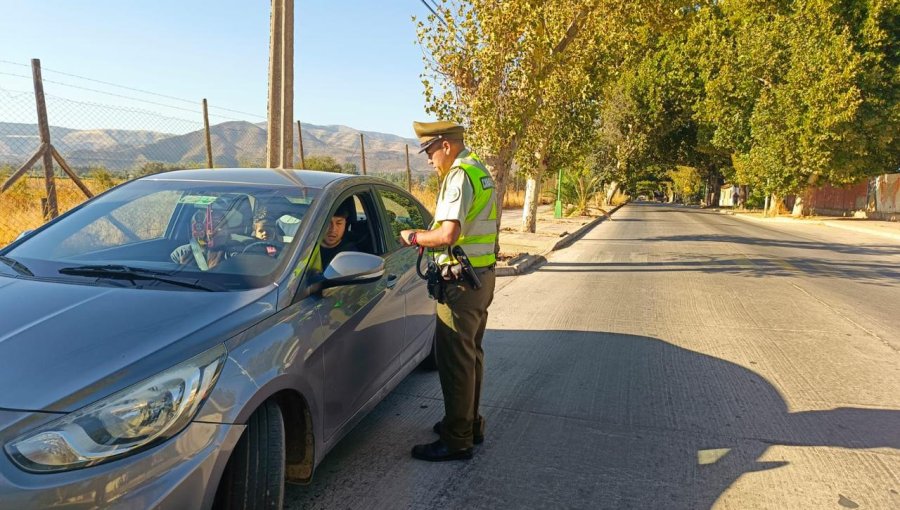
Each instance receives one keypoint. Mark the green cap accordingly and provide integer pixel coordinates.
(431, 132)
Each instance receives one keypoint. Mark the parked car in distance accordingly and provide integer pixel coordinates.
(157, 349)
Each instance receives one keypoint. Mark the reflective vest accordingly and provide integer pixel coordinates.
(478, 236)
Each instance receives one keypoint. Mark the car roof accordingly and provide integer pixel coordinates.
(264, 176)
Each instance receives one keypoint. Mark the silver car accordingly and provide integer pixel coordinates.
(157, 349)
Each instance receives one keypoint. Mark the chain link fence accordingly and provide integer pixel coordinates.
(105, 141)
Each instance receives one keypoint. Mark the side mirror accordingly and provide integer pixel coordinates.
(351, 267)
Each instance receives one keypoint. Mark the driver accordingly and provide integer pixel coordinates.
(211, 230)
(334, 241)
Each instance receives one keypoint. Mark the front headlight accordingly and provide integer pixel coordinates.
(138, 416)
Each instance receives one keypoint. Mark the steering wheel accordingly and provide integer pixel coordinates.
(267, 244)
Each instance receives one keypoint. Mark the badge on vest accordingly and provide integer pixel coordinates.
(487, 182)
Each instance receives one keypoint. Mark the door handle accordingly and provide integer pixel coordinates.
(392, 280)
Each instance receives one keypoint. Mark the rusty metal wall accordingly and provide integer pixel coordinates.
(849, 198)
(887, 193)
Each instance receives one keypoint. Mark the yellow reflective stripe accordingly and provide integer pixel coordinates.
(483, 260)
(482, 239)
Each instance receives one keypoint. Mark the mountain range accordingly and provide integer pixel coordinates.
(234, 144)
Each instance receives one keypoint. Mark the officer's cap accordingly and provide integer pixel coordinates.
(431, 132)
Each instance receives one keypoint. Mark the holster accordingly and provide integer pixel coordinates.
(452, 272)
(436, 285)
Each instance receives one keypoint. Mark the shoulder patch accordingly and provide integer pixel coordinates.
(487, 182)
(452, 194)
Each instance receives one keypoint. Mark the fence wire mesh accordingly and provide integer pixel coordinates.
(107, 138)
(107, 133)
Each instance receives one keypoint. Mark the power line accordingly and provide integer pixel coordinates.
(442, 20)
(438, 16)
(130, 98)
(128, 88)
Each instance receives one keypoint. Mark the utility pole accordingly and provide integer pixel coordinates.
(300, 139)
(362, 148)
(557, 208)
(280, 136)
(408, 172)
(209, 158)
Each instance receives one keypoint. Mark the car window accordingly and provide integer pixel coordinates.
(141, 219)
(233, 235)
(402, 213)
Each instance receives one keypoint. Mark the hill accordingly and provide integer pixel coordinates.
(235, 143)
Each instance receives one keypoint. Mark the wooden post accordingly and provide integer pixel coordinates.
(287, 84)
(209, 158)
(300, 139)
(44, 129)
(24, 168)
(362, 148)
(408, 172)
(280, 137)
(68, 170)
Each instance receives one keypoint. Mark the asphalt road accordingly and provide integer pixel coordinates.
(672, 358)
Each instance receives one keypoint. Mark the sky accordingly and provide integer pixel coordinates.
(356, 62)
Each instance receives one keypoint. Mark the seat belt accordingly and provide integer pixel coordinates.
(199, 258)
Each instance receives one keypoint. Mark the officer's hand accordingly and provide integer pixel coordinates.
(404, 236)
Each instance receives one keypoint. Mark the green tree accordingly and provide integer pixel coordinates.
(102, 177)
(323, 163)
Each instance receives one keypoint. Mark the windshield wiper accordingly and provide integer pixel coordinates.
(137, 273)
(15, 264)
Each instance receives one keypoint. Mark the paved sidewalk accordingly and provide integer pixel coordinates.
(527, 249)
(889, 229)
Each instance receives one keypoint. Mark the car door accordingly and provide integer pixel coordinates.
(364, 323)
(403, 212)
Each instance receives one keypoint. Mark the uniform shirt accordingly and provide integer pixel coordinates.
(456, 196)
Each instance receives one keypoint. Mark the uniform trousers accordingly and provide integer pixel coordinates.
(460, 358)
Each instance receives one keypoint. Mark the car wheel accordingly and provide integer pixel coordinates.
(430, 361)
(254, 476)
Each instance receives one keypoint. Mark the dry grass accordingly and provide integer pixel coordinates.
(20, 206)
(429, 198)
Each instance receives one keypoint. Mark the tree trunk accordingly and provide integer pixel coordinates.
(499, 165)
(611, 191)
(529, 210)
(800, 207)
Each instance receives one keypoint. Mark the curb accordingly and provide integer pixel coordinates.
(529, 261)
(839, 224)
(827, 223)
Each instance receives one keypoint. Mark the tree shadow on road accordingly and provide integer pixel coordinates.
(583, 419)
(867, 249)
(758, 267)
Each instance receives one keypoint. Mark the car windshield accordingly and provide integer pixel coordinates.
(171, 234)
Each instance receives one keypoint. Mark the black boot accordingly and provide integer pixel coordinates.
(437, 452)
(476, 438)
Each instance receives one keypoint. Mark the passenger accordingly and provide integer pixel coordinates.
(265, 227)
(334, 241)
(211, 230)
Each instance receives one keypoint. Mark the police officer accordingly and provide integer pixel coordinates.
(465, 216)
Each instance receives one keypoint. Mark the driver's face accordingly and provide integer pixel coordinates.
(335, 233)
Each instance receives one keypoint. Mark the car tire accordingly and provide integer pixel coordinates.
(430, 361)
(254, 476)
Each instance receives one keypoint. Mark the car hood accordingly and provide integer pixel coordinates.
(63, 346)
